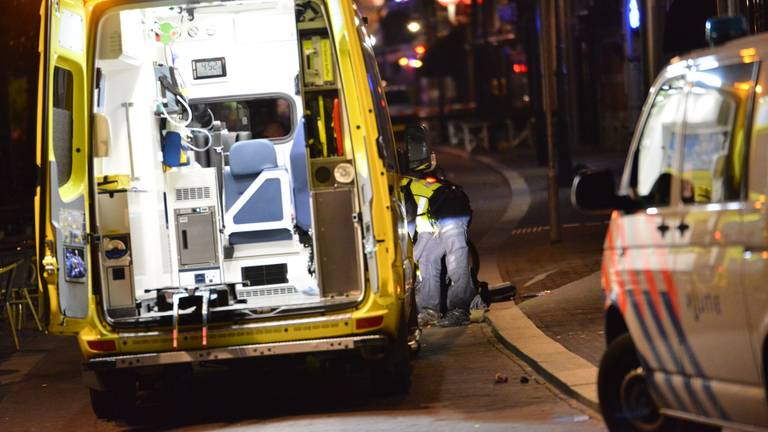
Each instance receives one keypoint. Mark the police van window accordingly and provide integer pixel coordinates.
(385, 140)
(654, 160)
(264, 117)
(713, 140)
(61, 132)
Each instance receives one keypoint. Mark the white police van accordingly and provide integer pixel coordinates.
(685, 261)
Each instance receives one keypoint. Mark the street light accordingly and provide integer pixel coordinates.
(633, 15)
(451, 5)
(413, 26)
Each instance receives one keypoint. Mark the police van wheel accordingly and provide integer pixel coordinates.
(625, 402)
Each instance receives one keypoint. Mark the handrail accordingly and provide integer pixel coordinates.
(10, 266)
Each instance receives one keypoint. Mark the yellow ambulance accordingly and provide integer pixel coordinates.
(218, 181)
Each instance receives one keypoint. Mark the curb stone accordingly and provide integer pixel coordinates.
(566, 371)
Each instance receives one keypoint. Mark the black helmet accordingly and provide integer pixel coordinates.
(420, 155)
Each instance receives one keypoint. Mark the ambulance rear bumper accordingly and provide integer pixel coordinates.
(236, 352)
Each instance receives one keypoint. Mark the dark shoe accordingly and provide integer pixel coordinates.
(454, 318)
(428, 318)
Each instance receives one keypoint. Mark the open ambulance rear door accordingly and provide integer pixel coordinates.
(62, 146)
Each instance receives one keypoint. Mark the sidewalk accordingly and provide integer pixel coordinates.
(556, 322)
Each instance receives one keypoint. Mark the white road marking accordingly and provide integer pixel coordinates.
(521, 194)
(516, 209)
(539, 278)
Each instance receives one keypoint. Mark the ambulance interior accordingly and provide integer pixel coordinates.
(225, 187)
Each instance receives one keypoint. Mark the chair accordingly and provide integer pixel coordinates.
(257, 195)
(298, 158)
(15, 280)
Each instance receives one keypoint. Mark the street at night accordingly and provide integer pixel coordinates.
(453, 386)
(384, 215)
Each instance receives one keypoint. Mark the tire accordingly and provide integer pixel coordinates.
(392, 374)
(387, 380)
(117, 400)
(109, 405)
(625, 403)
(414, 331)
(101, 404)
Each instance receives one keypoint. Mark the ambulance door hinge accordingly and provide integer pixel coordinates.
(93, 239)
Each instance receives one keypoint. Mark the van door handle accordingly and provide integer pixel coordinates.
(663, 228)
(683, 227)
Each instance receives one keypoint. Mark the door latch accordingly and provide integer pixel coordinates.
(93, 238)
(50, 265)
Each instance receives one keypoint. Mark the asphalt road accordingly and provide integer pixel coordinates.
(558, 285)
(453, 389)
(454, 382)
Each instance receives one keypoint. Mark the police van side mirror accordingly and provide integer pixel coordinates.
(596, 191)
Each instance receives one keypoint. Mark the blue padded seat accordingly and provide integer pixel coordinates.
(248, 161)
(251, 157)
(298, 158)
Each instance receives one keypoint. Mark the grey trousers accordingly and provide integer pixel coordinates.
(450, 241)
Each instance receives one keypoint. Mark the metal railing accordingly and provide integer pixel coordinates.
(16, 279)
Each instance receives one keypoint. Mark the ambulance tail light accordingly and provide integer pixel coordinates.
(102, 345)
(368, 323)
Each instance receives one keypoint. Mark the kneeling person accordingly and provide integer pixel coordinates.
(442, 218)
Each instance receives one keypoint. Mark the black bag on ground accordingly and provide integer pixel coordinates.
(449, 201)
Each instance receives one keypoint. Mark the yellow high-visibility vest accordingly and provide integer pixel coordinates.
(422, 190)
